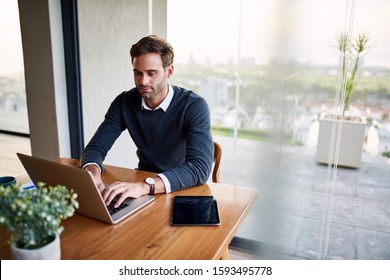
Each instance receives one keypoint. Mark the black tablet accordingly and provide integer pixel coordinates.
(195, 211)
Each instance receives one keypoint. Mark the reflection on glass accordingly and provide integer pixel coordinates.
(288, 75)
(195, 210)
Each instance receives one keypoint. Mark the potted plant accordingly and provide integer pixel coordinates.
(341, 133)
(33, 219)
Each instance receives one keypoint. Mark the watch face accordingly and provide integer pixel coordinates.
(150, 181)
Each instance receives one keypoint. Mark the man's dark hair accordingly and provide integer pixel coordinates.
(153, 44)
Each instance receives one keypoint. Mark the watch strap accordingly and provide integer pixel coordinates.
(152, 189)
(151, 182)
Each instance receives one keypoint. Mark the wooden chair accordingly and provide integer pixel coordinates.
(217, 162)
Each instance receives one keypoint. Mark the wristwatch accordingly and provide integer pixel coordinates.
(152, 184)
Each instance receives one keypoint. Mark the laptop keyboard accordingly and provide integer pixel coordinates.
(112, 210)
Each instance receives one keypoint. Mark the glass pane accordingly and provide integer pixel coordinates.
(13, 107)
(266, 68)
(360, 218)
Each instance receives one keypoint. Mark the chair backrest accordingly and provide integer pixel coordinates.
(217, 162)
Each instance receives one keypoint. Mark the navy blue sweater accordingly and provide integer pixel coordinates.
(177, 143)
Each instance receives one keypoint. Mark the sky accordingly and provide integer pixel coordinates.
(303, 29)
(11, 55)
(208, 30)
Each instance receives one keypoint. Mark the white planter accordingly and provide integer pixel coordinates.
(351, 142)
(51, 251)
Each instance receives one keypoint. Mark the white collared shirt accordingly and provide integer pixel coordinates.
(164, 105)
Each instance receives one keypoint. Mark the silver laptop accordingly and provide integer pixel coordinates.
(90, 201)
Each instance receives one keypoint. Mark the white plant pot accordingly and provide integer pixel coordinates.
(51, 251)
(351, 142)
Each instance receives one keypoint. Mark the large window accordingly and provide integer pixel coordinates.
(13, 108)
(268, 69)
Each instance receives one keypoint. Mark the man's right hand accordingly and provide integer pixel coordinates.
(94, 171)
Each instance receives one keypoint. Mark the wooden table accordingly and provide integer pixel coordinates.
(147, 234)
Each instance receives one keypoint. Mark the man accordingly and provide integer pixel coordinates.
(169, 125)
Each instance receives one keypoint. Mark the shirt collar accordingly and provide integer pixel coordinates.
(164, 105)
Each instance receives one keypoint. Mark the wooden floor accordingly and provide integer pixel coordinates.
(9, 146)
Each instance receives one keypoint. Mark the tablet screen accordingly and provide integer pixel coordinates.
(195, 210)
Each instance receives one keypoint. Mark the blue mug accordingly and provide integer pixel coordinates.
(7, 181)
